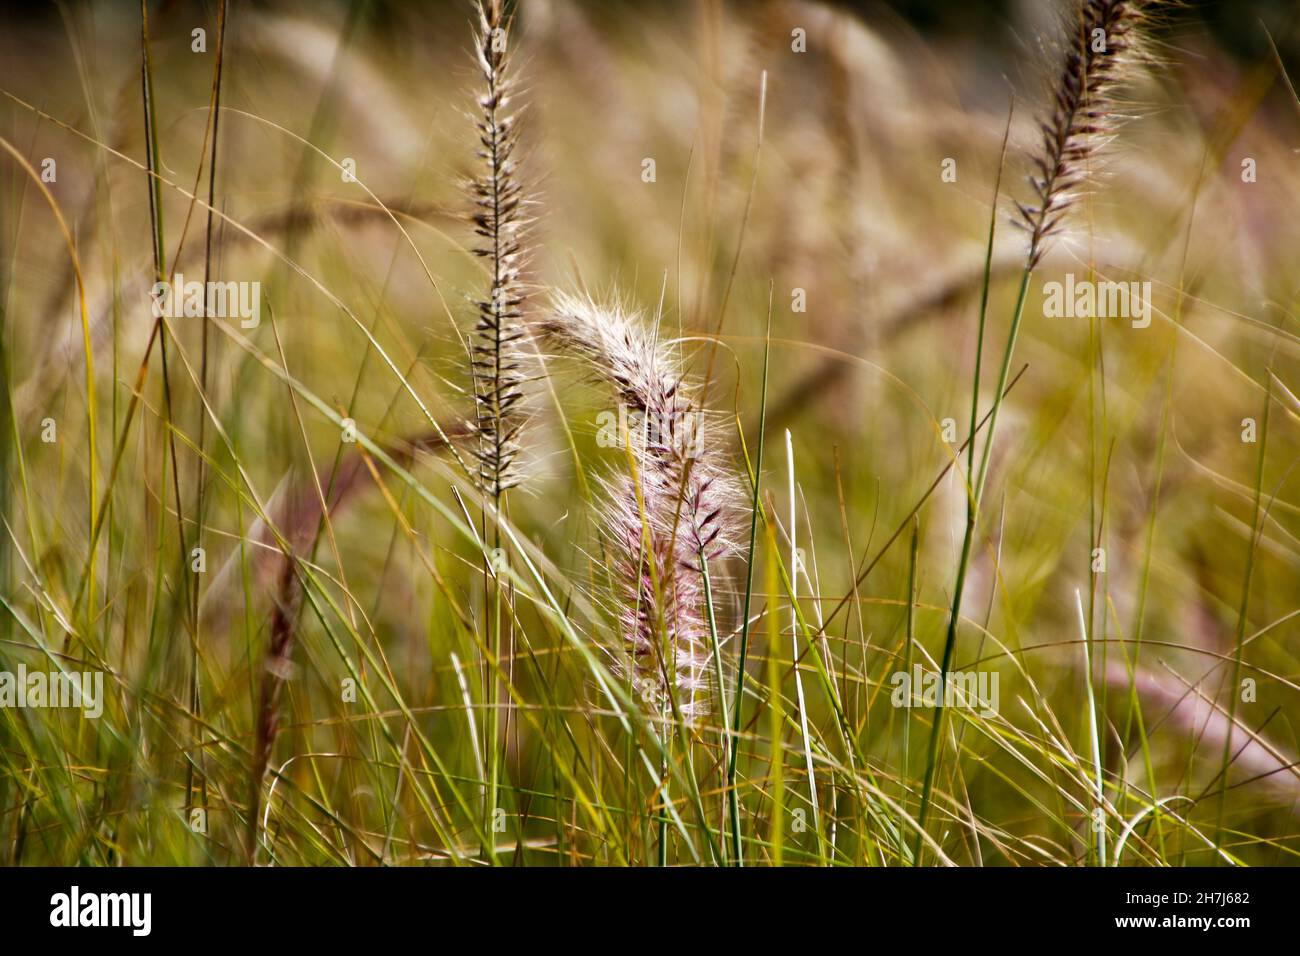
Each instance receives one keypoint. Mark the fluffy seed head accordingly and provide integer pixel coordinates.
(500, 224)
(1099, 51)
(687, 494)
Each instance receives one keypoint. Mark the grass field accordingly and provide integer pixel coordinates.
(543, 436)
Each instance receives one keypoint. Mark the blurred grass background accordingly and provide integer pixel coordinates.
(1119, 438)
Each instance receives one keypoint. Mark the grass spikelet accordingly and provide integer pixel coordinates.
(676, 512)
(500, 223)
(1098, 53)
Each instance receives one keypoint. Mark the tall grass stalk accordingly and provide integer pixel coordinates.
(775, 703)
(1082, 114)
(755, 477)
(200, 480)
(499, 221)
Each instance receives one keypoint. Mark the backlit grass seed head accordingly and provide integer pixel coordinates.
(500, 223)
(684, 488)
(1100, 51)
